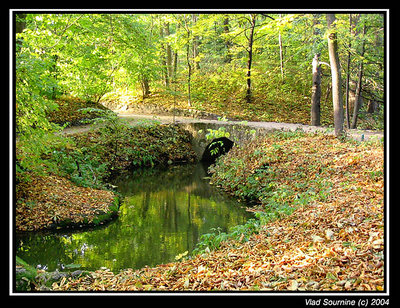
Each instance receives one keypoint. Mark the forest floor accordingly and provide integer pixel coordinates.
(333, 240)
(332, 244)
(54, 202)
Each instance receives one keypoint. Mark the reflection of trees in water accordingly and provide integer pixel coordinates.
(189, 175)
(163, 214)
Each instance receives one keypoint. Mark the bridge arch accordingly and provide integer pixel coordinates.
(216, 148)
(238, 134)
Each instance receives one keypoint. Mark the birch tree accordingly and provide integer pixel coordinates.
(335, 71)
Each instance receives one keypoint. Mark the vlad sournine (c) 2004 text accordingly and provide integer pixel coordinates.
(347, 302)
(330, 302)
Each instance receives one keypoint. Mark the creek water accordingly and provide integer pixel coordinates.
(163, 214)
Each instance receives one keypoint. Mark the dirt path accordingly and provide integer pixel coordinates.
(356, 134)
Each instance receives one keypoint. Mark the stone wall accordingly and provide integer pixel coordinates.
(238, 133)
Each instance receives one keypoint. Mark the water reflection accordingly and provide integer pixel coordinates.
(164, 213)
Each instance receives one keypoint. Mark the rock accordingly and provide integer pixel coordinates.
(76, 273)
(58, 275)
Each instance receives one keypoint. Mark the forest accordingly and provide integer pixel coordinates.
(317, 199)
(243, 64)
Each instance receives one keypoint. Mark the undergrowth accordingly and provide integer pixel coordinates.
(279, 173)
(90, 159)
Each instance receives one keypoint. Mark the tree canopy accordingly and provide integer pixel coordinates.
(252, 66)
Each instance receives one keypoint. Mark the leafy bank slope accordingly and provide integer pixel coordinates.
(70, 190)
(333, 238)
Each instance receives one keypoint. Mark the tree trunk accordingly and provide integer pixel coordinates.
(357, 100)
(145, 87)
(336, 80)
(175, 65)
(228, 44)
(281, 55)
(250, 59)
(188, 39)
(189, 73)
(316, 92)
(20, 25)
(281, 52)
(195, 45)
(169, 52)
(348, 81)
(175, 53)
(164, 60)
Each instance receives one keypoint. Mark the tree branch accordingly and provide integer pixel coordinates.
(63, 31)
(320, 62)
(265, 15)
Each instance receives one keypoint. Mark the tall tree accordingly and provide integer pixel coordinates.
(359, 83)
(335, 71)
(281, 53)
(20, 25)
(316, 92)
(188, 30)
(252, 22)
(228, 43)
(348, 77)
(169, 51)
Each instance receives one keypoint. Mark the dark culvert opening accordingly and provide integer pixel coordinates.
(216, 148)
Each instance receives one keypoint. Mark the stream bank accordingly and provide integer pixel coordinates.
(333, 239)
(164, 213)
(78, 180)
(74, 190)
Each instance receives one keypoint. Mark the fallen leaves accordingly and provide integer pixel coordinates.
(47, 202)
(334, 243)
(67, 111)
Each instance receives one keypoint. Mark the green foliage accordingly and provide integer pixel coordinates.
(34, 152)
(89, 55)
(117, 147)
(32, 89)
(217, 133)
(212, 241)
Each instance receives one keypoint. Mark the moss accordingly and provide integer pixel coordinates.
(24, 275)
(28, 278)
(106, 216)
(101, 217)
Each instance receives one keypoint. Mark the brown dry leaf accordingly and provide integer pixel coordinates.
(52, 199)
(334, 234)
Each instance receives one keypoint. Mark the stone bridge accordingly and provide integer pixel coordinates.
(239, 132)
(229, 131)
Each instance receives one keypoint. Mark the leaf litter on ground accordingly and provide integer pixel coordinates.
(331, 243)
(46, 201)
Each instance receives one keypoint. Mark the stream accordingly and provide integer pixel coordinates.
(163, 214)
